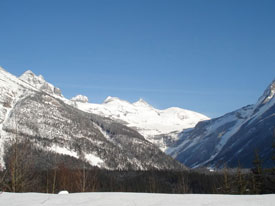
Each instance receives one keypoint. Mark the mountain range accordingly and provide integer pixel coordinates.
(192, 138)
(34, 111)
(118, 134)
(160, 127)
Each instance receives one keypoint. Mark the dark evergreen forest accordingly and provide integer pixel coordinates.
(29, 171)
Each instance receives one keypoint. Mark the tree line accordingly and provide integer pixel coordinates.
(31, 169)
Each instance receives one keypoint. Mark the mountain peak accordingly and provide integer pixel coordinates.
(269, 93)
(29, 77)
(80, 98)
(141, 102)
(39, 83)
(28, 72)
(111, 99)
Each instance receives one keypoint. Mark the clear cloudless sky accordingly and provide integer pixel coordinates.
(210, 56)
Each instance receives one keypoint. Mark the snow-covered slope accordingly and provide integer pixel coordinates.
(31, 109)
(231, 138)
(160, 127)
(154, 124)
(13, 90)
(135, 199)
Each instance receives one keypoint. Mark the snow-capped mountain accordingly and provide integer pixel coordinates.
(160, 127)
(35, 111)
(231, 138)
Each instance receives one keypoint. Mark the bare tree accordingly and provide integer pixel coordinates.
(182, 185)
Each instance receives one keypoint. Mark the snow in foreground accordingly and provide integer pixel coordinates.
(135, 199)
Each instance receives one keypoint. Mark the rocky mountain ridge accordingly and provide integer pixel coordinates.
(35, 111)
(231, 138)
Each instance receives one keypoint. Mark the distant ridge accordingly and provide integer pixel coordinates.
(231, 138)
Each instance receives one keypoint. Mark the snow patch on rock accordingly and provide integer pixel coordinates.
(94, 160)
(80, 98)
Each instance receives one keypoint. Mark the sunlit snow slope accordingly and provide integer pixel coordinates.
(154, 124)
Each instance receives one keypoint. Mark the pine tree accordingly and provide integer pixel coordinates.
(257, 174)
(242, 184)
(226, 184)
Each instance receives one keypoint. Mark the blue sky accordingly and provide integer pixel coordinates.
(210, 56)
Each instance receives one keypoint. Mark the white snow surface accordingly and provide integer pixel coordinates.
(94, 160)
(63, 192)
(140, 115)
(63, 150)
(135, 199)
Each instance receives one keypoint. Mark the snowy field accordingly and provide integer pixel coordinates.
(133, 199)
